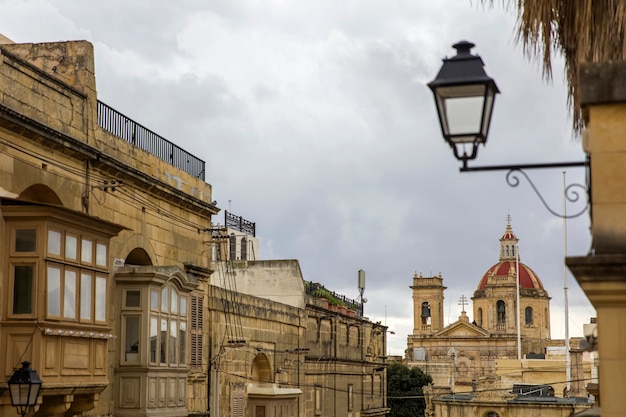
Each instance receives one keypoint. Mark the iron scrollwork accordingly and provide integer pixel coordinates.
(571, 192)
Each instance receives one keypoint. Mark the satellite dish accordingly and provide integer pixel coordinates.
(364, 300)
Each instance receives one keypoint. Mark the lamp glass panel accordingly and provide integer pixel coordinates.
(489, 99)
(33, 393)
(19, 394)
(461, 111)
(464, 114)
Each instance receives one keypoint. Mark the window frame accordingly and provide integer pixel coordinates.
(30, 225)
(34, 287)
(56, 236)
(528, 316)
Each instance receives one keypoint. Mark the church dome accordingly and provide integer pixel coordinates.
(505, 269)
(527, 277)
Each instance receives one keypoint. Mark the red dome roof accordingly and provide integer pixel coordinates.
(527, 277)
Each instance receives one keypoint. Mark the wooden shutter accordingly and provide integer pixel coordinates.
(197, 319)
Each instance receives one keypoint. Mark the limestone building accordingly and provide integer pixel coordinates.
(103, 265)
(465, 351)
(307, 357)
(118, 286)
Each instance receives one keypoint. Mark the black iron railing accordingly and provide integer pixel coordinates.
(123, 127)
(239, 223)
(318, 290)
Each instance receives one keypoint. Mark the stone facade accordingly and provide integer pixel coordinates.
(464, 353)
(94, 293)
(475, 365)
(112, 284)
(601, 274)
(337, 366)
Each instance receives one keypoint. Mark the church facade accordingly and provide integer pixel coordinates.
(465, 352)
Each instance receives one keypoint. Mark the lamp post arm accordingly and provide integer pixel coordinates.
(519, 167)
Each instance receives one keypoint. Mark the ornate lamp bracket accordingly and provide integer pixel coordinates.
(571, 193)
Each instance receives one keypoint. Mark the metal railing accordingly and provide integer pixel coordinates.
(138, 135)
(239, 223)
(315, 289)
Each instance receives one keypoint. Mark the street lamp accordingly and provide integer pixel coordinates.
(24, 387)
(464, 95)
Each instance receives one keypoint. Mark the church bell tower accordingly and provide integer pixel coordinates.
(427, 304)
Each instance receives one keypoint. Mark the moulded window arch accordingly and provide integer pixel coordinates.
(244, 248)
(480, 317)
(261, 369)
(528, 315)
(232, 243)
(138, 256)
(425, 312)
(501, 312)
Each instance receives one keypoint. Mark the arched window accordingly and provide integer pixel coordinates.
(425, 312)
(244, 248)
(512, 250)
(501, 312)
(507, 250)
(261, 369)
(528, 314)
(480, 317)
(232, 243)
(492, 414)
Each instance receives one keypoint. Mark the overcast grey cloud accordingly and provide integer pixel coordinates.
(316, 123)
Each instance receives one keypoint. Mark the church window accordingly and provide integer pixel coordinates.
(507, 250)
(232, 244)
(244, 248)
(492, 414)
(425, 312)
(501, 312)
(528, 313)
(480, 317)
(512, 250)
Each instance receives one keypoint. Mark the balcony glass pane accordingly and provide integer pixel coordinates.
(69, 295)
(54, 291)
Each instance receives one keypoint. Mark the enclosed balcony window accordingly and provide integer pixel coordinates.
(25, 240)
(53, 254)
(23, 289)
(132, 337)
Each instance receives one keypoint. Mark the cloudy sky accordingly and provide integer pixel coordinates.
(316, 123)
